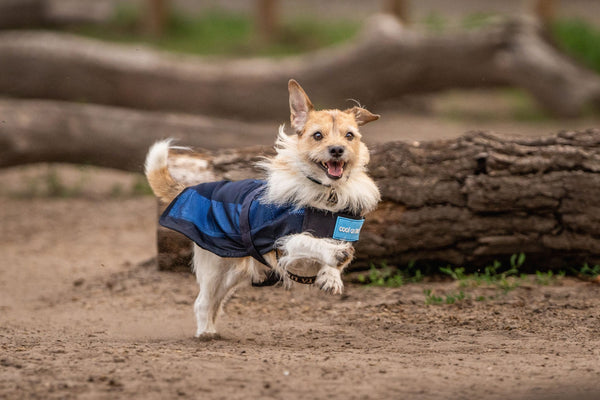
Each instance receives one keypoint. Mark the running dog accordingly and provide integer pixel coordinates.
(298, 225)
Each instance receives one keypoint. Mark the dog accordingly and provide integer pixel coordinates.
(296, 226)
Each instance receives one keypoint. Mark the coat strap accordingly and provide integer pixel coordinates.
(245, 228)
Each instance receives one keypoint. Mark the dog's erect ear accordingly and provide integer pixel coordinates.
(300, 105)
(362, 115)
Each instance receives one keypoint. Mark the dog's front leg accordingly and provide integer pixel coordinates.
(332, 255)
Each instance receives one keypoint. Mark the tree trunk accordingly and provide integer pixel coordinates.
(156, 13)
(545, 10)
(51, 131)
(466, 201)
(385, 63)
(267, 18)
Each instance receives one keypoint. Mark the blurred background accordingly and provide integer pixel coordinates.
(168, 41)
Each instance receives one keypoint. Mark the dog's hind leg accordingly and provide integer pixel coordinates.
(218, 278)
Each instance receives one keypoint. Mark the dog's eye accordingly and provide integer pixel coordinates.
(317, 136)
(349, 135)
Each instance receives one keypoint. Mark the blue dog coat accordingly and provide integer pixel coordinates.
(229, 219)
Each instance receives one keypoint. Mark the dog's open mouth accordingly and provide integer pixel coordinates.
(333, 169)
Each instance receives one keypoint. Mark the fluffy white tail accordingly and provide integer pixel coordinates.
(157, 172)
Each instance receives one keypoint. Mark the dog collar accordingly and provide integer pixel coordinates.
(318, 182)
(332, 199)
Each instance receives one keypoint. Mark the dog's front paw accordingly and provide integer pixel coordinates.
(330, 280)
(344, 256)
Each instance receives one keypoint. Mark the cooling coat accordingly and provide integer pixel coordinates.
(229, 219)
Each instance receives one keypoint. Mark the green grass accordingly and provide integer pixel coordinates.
(548, 277)
(219, 32)
(504, 278)
(450, 298)
(391, 276)
(494, 274)
(580, 39)
(587, 272)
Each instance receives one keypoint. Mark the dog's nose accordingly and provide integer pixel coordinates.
(336, 151)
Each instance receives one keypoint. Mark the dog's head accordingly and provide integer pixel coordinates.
(323, 164)
(329, 141)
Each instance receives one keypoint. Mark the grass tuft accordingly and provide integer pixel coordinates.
(391, 276)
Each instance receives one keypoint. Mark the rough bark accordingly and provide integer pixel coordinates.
(49, 131)
(466, 201)
(386, 62)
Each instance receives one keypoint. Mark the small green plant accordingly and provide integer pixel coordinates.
(455, 297)
(457, 274)
(391, 277)
(431, 298)
(587, 272)
(517, 261)
(492, 274)
(384, 276)
(546, 278)
(450, 298)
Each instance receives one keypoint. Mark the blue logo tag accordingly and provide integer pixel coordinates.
(347, 229)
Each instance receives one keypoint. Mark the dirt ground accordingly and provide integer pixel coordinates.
(85, 314)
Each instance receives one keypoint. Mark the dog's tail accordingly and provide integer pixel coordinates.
(164, 186)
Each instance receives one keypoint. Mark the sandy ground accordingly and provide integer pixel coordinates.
(84, 315)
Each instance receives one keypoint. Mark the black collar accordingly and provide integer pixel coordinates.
(310, 178)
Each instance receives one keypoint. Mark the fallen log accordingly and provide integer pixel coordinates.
(466, 201)
(50, 131)
(385, 62)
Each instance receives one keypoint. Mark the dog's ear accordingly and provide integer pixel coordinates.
(362, 115)
(300, 106)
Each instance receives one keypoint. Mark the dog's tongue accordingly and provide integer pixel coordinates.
(334, 168)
